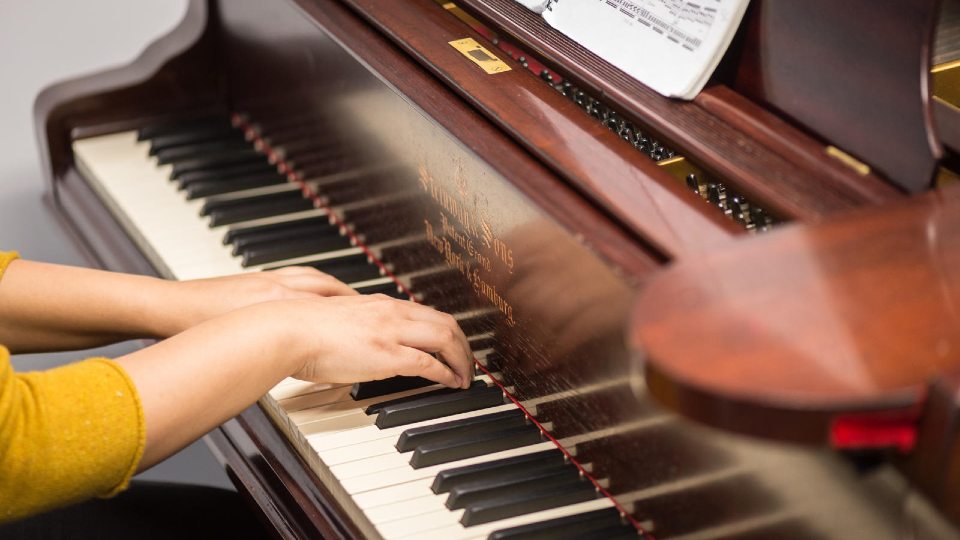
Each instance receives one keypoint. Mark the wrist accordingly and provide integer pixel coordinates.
(166, 310)
(275, 326)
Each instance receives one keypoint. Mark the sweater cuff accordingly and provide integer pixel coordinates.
(141, 428)
(68, 433)
(7, 257)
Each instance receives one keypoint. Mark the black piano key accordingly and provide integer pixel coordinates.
(208, 188)
(309, 245)
(241, 236)
(183, 126)
(432, 407)
(493, 361)
(389, 289)
(244, 237)
(200, 149)
(226, 203)
(446, 431)
(482, 343)
(619, 532)
(478, 324)
(450, 478)
(227, 172)
(265, 208)
(377, 407)
(216, 160)
(349, 269)
(476, 445)
(225, 212)
(523, 482)
(526, 503)
(214, 132)
(565, 527)
(400, 383)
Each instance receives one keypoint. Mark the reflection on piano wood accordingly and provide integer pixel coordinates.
(258, 136)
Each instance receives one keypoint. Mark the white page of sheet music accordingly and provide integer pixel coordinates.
(534, 5)
(672, 46)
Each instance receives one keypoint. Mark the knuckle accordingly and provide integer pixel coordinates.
(446, 334)
(267, 289)
(423, 362)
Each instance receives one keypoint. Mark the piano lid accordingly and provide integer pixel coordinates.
(854, 317)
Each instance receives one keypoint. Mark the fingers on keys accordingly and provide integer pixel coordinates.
(311, 280)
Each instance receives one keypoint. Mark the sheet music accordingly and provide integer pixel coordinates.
(673, 46)
(534, 5)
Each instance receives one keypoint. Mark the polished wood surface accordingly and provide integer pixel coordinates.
(810, 323)
(595, 160)
(714, 130)
(856, 73)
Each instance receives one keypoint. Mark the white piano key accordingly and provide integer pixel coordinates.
(399, 529)
(290, 387)
(254, 192)
(406, 508)
(419, 524)
(313, 400)
(364, 450)
(386, 443)
(397, 492)
(166, 225)
(337, 402)
(365, 434)
(402, 472)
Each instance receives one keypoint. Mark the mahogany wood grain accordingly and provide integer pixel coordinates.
(595, 160)
(784, 334)
(719, 144)
(792, 144)
(856, 72)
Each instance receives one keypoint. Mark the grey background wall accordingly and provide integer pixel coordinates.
(42, 42)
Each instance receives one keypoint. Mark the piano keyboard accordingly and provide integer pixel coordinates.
(209, 197)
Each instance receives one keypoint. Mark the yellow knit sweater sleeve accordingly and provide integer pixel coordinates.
(66, 434)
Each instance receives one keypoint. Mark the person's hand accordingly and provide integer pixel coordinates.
(189, 303)
(347, 339)
(210, 372)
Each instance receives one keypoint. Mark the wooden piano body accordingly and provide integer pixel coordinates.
(546, 218)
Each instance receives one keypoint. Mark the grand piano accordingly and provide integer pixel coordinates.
(532, 201)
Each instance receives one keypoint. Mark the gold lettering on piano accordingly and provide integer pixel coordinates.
(477, 233)
(465, 239)
(488, 291)
(465, 243)
(457, 261)
(480, 55)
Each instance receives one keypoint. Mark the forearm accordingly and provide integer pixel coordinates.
(51, 307)
(198, 379)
